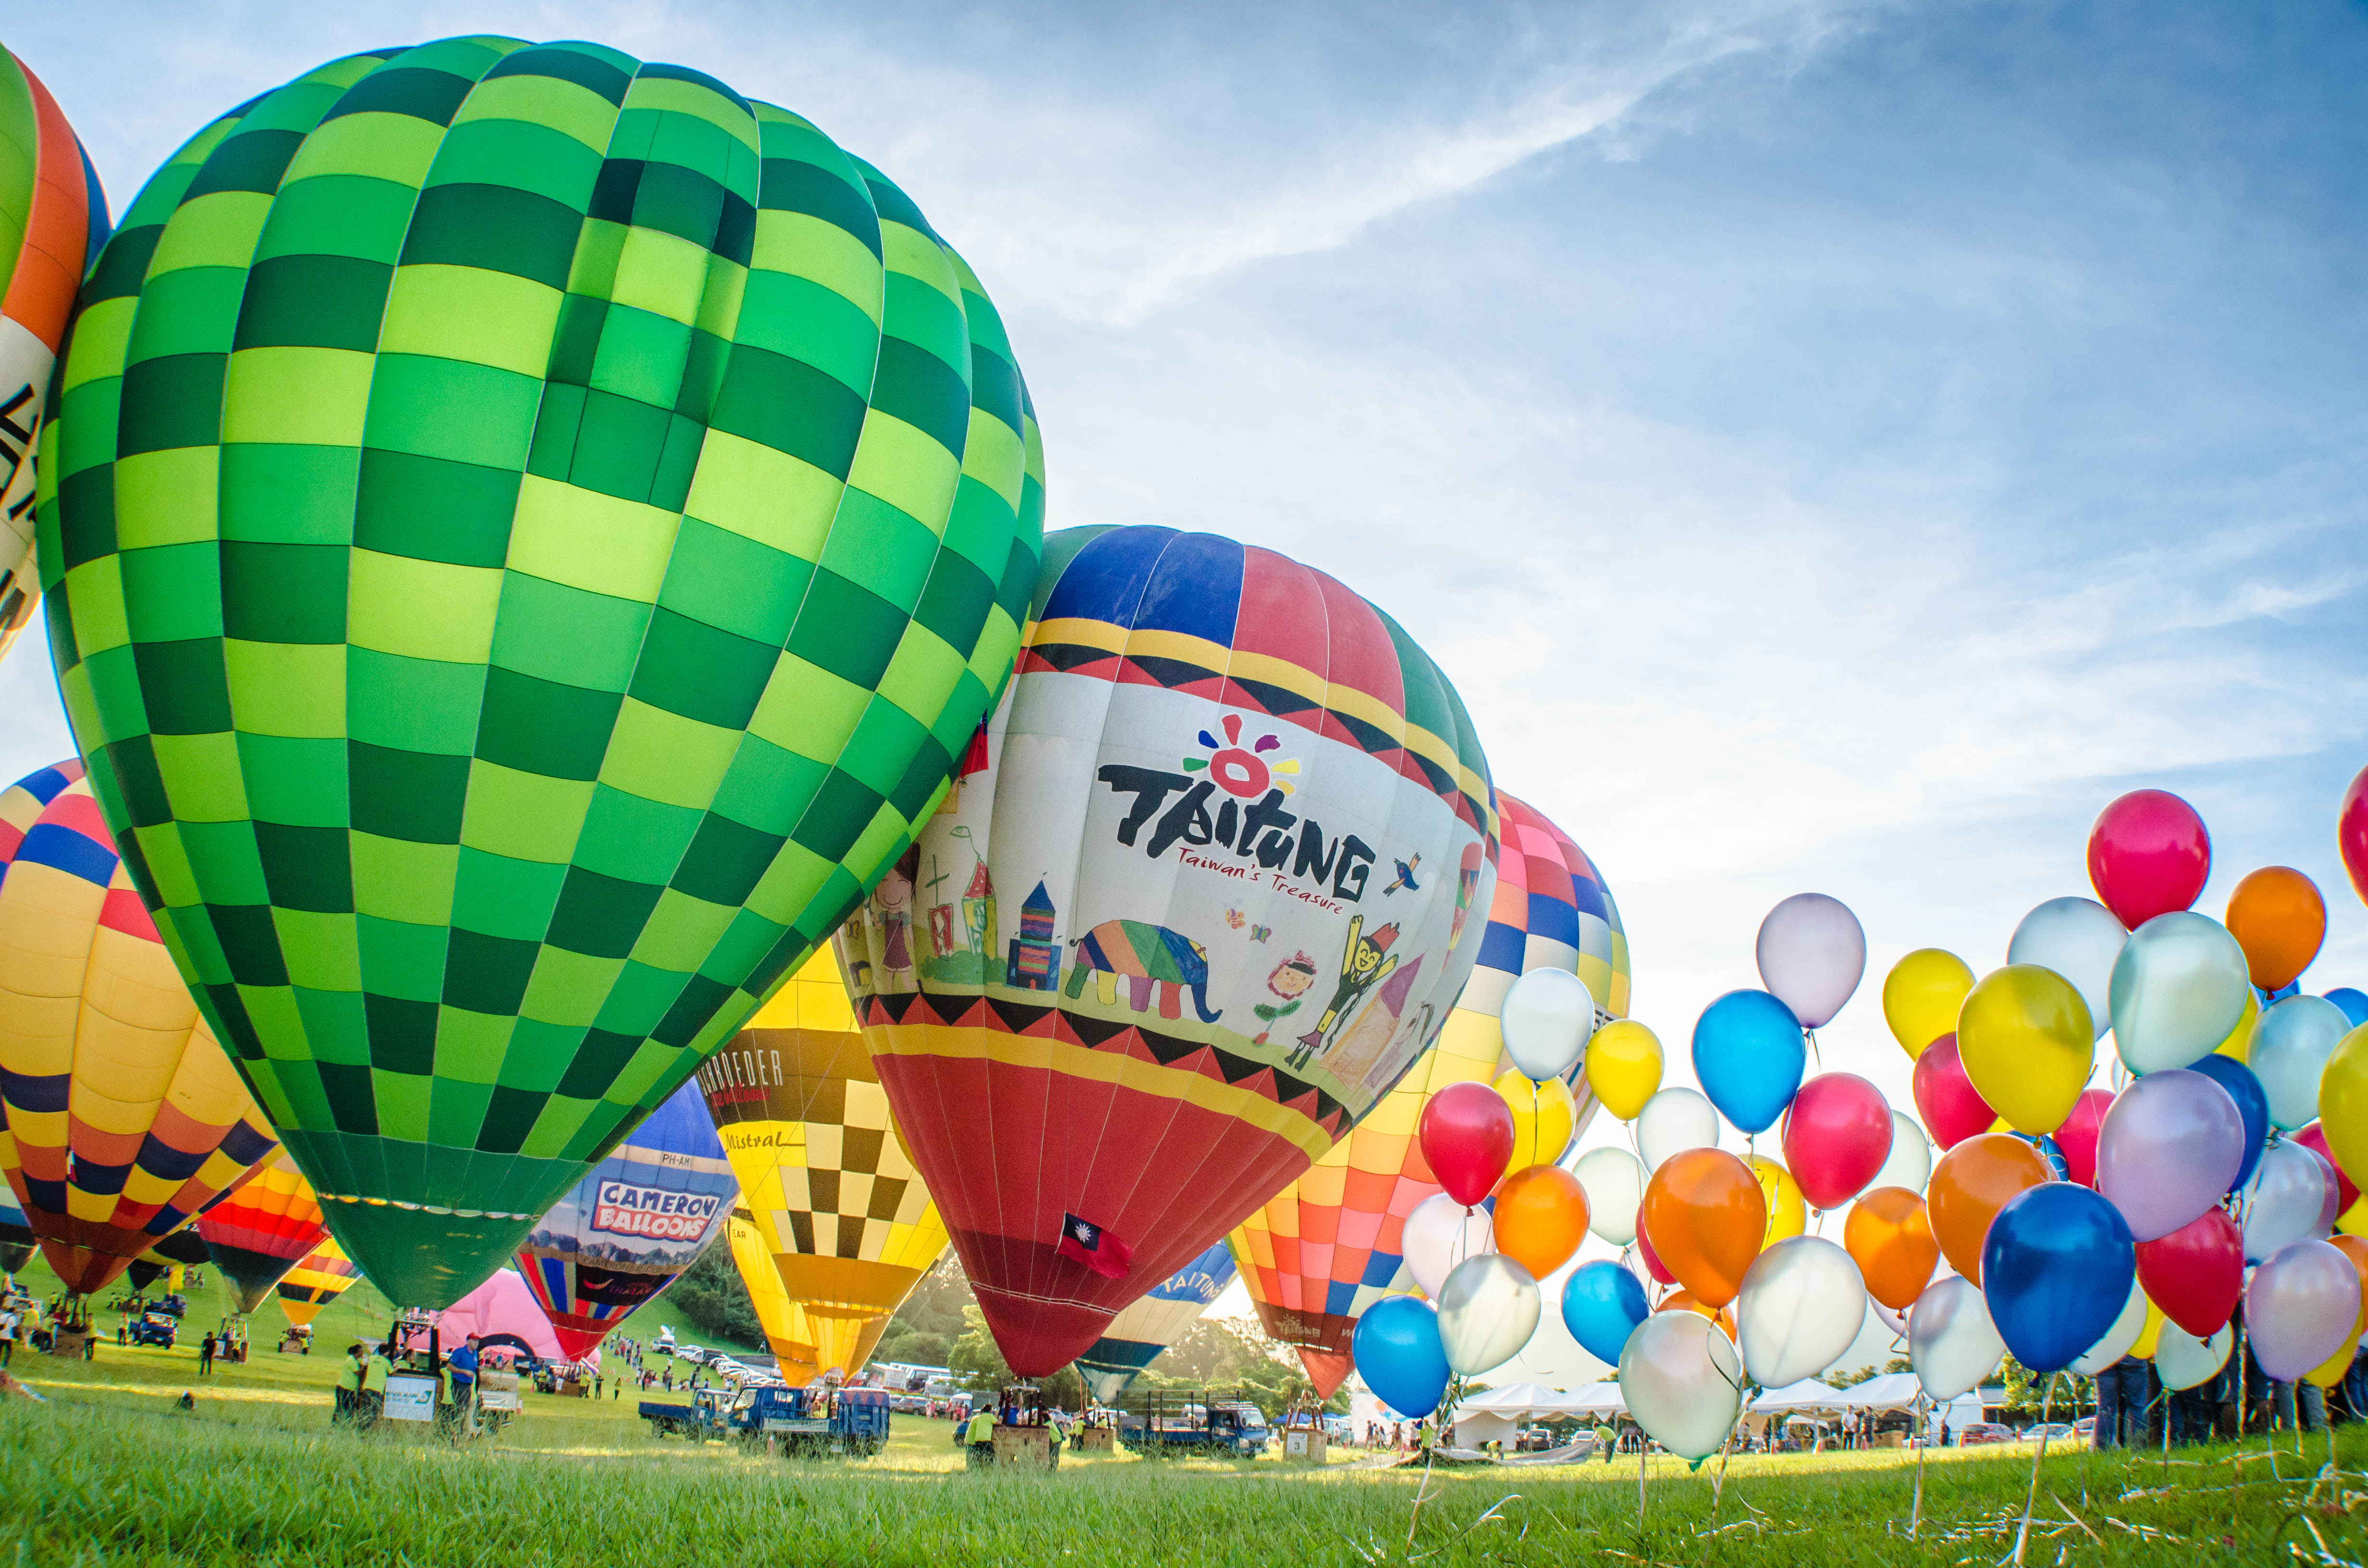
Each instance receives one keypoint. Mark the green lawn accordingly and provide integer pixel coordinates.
(107, 1472)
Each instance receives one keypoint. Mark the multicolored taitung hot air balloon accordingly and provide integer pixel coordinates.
(1141, 1332)
(1199, 911)
(537, 531)
(828, 1183)
(319, 1277)
(52, 219)
(1331, 1243)
(124, 1117)
(261, 1229)
(629, 1229)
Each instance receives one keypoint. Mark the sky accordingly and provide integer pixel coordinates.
(1832, 447)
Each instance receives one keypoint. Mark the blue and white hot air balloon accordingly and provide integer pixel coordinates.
(1138, 1334)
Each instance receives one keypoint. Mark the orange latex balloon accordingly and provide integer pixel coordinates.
(1970, 1185)
(1683, 1302)
(1706, 1215)
(2278, 918)
(1541, 1218)
(1889, 1236)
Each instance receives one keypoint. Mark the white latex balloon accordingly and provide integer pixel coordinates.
(1683, 1382)
(2079, 939)
(1674, 1121)
(2118, 1339)
(1614, 1180)
(2300, 1306)
(1952, 1342)
(1802, 1304)
(1487, 1310)
(2289, 1051)
(1909, 1164)
(1548, 1016)
(2177, 989)
(2182, 1361)
(1812, 956)
(1439, 1235)
(2287, 1200)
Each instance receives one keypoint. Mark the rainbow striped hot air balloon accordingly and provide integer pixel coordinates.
(1231, 829)
(1330, 1245)
(319, 1277)
(124, 1117)
(262, 1228)
(52, 219)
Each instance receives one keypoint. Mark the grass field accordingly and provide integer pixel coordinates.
(108, 1471)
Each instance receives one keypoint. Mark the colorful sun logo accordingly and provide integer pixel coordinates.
(1242, 770)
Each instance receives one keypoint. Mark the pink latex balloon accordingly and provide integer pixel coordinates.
(2351, 832)
(2077, 1137)
(2168, 1150)
(2148, 855)
(1837, 1135)
(2300, 1308)
(1466, 1134)
(1644, 1250)
(1953, 1110)
(2314, 1137)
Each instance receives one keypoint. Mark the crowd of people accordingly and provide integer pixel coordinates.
(2135, 1410)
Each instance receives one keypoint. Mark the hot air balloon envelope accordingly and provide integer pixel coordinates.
(1137, 1336)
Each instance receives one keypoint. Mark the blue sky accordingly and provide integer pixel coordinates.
(1833, 446)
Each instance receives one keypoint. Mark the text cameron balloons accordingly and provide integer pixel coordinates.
(2056, 1271)
(1812, 954)
(1260, 894)
(554, 557)
(1748, 1054)
(2168, 1148)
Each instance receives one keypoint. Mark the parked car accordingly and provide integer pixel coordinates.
(2055, 1431)
(2085, 1428)
(1979, 1433)
(1534, 1441)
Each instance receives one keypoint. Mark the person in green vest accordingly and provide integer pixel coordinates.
(373, 1396)
(979, 1438)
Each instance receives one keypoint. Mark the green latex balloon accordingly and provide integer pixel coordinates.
(529, 533)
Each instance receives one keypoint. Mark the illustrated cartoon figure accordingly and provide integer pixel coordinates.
(1147, 955)
(1034, 962)
(1366, 1043)
(1289, 984)
(1363, 963)
(1260, 933)
(895, 902)
(1405, 877)
(1236, 918)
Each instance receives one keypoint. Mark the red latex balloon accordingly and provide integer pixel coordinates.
(1953, 1109)
(1466, 1134)
(2148, 855)
(1837, 1135)
(2196, 1273)
(2078, 1136)
(2347, 1191)
(1644, 1250)
(2351, 832)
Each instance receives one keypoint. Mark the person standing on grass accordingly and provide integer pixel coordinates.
(206, 1355)
(372, 1401)
(9, 1318)
(349, 1385)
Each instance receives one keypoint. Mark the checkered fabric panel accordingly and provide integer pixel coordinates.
(530, 533)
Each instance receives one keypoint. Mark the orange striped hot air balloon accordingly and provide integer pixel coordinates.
(1330, 1245)
(262, 1228)
(319, 1277)
(124, 1115)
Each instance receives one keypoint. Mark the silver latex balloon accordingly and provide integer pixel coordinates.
(1683, 1382)
(1548, 1016)
(1439, 1235)
(1675, 1120)
(2177, 989)
(2183, 1362)
(2300, 1308)
(1909, 1164)
(1487, 1310)
(2117, 1339)
(1812, 955)
(2288, 1200)
(1802, 1304)
(1614, 1180)
(2289, 1052)
(1952, 1342)
(2079, 939)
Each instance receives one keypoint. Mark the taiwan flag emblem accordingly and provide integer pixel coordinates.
(1096, 1248)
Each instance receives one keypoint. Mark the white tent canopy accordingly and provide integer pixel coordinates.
(1891, 1390)
(1806, 1395)
(1529, 1402)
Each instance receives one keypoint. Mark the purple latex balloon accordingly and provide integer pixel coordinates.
(2300, 1308)
(2288, 1200)
(2170, 1145)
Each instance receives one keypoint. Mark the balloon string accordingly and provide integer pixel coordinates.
(2030, 1497)
(1924, 1440)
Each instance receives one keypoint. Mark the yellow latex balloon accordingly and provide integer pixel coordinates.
(2151, 1335)
(2027, 1045)
(2343, 1108)
(2356, 1219)
(1545, 1119)
(1922, 996)
(2332, 1370)
(1623, 1067)
(1788, 1211)
(2238, 1046)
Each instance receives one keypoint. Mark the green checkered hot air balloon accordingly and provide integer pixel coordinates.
(527, 534)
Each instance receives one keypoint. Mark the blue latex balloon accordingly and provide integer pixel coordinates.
(2252, 1103)
(1397, 1353)
(1748, 1056)
(1601, 1305)
(2048, 1151)
(2353, 1002)
(2056, 1269)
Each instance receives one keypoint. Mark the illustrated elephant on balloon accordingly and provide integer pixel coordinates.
(1144, 955)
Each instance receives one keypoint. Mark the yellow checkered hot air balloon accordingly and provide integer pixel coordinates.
(828, 1183)
(319, 1278)
(802, 1343)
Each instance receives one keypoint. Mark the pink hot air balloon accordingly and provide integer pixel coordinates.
(504, 1312)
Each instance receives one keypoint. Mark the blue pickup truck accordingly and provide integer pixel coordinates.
(1188, 1423)
(805, 1422)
